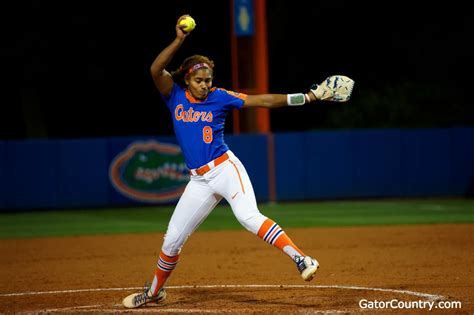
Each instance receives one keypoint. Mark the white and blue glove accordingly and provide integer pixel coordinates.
(336, 88)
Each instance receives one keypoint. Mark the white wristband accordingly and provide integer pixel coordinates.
(295, 99)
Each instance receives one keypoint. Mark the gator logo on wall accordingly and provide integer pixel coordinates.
(149, 172)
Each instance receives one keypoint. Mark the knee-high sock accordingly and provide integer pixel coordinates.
(165, 266)
(271, 233)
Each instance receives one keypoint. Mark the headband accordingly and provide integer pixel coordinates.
(198, 66)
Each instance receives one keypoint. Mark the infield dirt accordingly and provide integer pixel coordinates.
(236, 272)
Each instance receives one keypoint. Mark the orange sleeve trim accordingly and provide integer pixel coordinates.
(241, 96)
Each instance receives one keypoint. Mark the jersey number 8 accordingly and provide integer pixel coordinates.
(207, 134)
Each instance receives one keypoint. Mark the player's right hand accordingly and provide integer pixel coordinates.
(179, 31)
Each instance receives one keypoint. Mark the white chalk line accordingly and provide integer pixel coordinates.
(93, 308)
(431, 297)
(118, 308)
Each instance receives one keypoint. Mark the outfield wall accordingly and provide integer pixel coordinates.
(49, 174)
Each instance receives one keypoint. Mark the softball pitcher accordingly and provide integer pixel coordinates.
(198, 111)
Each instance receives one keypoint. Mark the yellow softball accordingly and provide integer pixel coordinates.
(188, 23)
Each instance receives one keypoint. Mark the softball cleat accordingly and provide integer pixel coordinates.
(139, 299)
(307, 267)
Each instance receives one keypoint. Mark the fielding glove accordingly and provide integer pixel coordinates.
(336, 88)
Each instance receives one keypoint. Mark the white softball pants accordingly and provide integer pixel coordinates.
(228, 180)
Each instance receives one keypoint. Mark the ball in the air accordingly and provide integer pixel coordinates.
(188, 23)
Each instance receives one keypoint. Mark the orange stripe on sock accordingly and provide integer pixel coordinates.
(283, 240)
(264, 228)
(162, 275)
(272, 234)
(170, 259)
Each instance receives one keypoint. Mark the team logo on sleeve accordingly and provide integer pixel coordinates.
(149, 172)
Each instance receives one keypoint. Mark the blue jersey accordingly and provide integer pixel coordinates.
(199, 125)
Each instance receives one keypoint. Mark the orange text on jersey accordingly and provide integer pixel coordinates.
(190, 115)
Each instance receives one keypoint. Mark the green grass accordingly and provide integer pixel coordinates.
(303, 214)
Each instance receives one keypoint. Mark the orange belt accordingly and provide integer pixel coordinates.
(209, 166)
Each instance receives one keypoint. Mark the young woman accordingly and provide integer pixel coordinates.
(198, 111)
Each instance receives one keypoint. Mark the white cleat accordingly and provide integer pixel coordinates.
(307, 267)
(139, 299)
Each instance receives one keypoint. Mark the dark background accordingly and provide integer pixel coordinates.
(76, 69)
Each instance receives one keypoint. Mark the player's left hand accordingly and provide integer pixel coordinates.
(336, 88)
